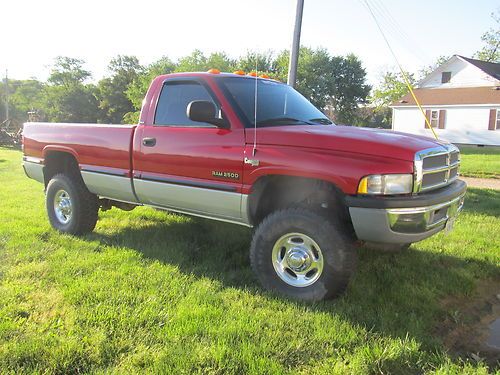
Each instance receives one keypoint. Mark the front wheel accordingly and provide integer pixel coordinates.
(303, 255)
(70, 206)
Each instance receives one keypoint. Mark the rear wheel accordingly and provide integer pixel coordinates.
(70, 206)
(299, 253)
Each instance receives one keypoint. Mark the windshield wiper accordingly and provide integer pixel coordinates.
(281, 120)
(321, 120)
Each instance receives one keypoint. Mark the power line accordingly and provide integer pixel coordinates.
(405, 75)
(397, 33)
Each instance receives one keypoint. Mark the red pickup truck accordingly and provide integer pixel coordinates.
(253, 151)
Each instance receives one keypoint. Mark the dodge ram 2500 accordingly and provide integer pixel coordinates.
(208, 145)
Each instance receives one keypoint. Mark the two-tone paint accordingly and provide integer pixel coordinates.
(172, 167)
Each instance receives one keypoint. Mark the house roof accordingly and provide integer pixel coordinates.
(492, 69)
(452, 96)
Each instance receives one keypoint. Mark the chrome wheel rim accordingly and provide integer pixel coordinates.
(297, 259)
(62, 206)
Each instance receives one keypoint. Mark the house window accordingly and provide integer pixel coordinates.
(445, 77)
(435, 119)
(497, 124)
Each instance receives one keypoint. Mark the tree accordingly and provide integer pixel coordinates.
(68, 71)
(348, 88)
(264, 61)
(66, 97)
(313, 74)
(391, 89)
(24, 96)
(198, 62)
(426, 70)
(491, 39)
(335, 81)
(114, 103)
(137, 89)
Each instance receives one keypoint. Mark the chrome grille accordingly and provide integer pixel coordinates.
(436, 167)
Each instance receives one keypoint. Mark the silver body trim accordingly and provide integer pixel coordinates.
(205, 216)
(207, 203)
(34, 170)
(109, 186)
(380, 225)
(223, 205)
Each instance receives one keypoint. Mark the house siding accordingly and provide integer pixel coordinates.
(463, 124)
(463, 74)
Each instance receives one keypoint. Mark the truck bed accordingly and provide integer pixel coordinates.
(103, 153)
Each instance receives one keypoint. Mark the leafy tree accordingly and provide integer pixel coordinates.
(335, 81)
(265, 62)
(425, 71)
(198, 62)
(491, 39)
(28, 96)
(348, 87)
(114, 103)
(24, 96)
(313, 74)
(75, 103)
(139, 86)
(68, 71)
(66, 97)
(391, 89)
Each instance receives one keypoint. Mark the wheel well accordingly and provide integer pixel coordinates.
(58, 162)
(276, 192)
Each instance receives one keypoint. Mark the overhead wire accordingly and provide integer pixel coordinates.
(399, 32)
(403, 72)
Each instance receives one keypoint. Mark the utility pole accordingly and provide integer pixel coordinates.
(6, 96)
(294, 53)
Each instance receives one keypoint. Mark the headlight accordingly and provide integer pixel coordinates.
(386, 184)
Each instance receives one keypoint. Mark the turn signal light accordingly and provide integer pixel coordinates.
(213, 71)
(239, 72)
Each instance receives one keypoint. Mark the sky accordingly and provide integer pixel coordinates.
(35, 31)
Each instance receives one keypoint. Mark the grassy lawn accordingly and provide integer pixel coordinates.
(480, 162)
(152, 292)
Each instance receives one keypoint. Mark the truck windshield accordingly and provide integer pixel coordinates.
(277, 103)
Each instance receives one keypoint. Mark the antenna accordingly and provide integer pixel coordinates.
(254, 151)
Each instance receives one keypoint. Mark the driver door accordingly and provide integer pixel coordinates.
(189, 166)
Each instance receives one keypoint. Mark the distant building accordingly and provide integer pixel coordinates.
(461, 99)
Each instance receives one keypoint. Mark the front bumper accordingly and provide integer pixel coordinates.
(405, 219)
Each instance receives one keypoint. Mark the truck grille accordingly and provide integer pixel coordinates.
(436, 167)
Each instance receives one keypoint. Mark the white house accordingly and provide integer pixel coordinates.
(461, 99)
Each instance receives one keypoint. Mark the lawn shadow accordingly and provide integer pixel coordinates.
(393, 294)
(483, 201)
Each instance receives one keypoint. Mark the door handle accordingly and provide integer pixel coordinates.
(149, 142)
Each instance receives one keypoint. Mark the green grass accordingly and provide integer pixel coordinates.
(480, 162)
(151, 292)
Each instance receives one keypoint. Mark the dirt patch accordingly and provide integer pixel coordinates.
(483, 183)
(469, 329)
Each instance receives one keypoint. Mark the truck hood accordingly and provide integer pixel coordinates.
(384, 143)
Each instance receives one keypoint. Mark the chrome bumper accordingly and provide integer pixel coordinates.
(422, 219)
(406, 224)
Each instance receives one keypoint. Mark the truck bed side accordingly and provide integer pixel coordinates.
(102, 152)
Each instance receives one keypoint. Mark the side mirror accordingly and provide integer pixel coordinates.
(205, 111)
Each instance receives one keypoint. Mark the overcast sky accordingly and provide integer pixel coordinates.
(36, 31)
